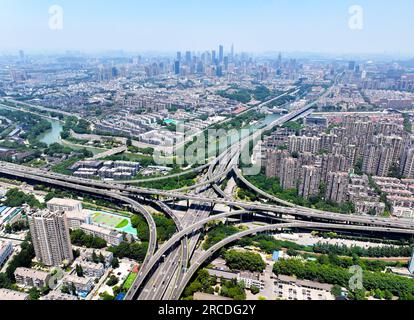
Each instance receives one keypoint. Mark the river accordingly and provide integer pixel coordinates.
(53, 136)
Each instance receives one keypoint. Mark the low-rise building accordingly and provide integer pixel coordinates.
(220, 274)
(251, 279)
(6, 250)
(26, 277)
(58, 296)
(77, 218)
(10, 295)
(79, 283)
(88, 254)
(199, 296)
(66, 205)
(110, 236)
(90, 269)
(290, 288)
(403, 212)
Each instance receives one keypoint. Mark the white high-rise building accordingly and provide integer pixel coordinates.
(50, 237)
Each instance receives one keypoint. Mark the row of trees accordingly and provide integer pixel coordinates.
(218, 233)
(269, 244)
(165, 227)
(244, 260)
(139, 223)
(17, 226)
(384, 251)
(17, 198)
(135, 251)
(328, 273)
(346, 262)
(172, 183)
(81, 239)
(202, 283)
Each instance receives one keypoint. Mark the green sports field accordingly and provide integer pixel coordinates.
(129, 281)
(110, 220)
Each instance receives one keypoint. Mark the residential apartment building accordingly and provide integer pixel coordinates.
(50, 237)
(29, 278)
(337, 187)
(309, 182)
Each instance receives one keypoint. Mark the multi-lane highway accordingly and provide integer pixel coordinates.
(165, 273)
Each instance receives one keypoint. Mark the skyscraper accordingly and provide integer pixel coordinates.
(22, 57)
(221, 53)
(188, 57)
(177, 67)
(50, 237)
(213, 56)
(219, 71)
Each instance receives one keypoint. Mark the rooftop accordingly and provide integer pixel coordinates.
(32, 273)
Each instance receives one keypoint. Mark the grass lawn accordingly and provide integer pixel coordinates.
(109, 220)
(122, 224)
(129, 281)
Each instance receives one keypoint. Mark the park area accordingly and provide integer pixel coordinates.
(129, 281)
(113, 221)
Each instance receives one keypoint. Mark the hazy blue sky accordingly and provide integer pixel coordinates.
(169, 25)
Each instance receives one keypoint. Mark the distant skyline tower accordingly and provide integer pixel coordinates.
(221, 53)
(226, 63)
(178, 55)
(188, 57)
(232, 52)
(21, 55)
(219, 71)
(213, 56)
(177, 67)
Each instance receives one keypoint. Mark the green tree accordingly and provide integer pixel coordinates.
(115, 263)
(79, 270)
(113, 280)
(254, 290)
(34, 294)
(244, 260)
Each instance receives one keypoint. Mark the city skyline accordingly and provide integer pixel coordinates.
(167, 27)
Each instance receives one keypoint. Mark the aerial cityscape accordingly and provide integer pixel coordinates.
(210, 169)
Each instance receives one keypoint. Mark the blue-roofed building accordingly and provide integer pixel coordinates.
(120, 296)
(276, 256)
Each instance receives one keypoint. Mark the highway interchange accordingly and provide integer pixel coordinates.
(166, 270)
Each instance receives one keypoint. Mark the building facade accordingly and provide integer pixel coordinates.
(50, 237)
